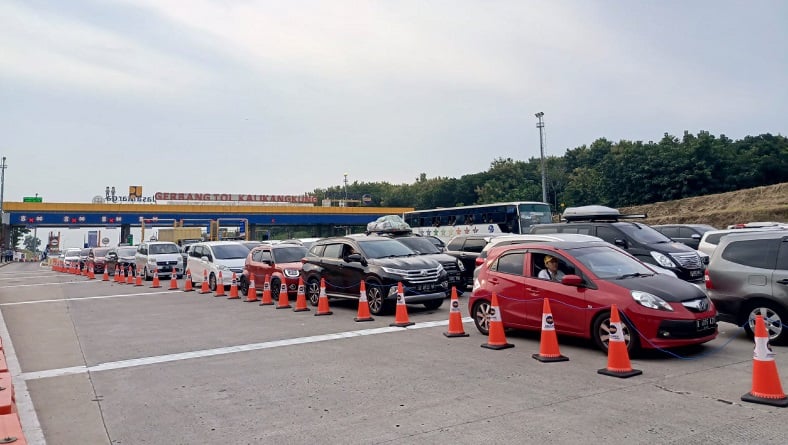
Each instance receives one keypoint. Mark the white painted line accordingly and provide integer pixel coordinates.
(51, 284)
(24, 404)
(27, 277)
(99, 297)
(122, 364)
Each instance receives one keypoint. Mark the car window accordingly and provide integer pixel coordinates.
(607, 262)
(642, 233)
(421, 245)
(333, 251)
(257, 256)
(510, 263)
(782, 256)
(159, 249)
(474, 245)
(685, 232)
(670, 232)
(126, 251)
(229, 251)
(455, 244)
(289, 254)
(608, 234)
(265, 255)
(761, 253)
(384, 248)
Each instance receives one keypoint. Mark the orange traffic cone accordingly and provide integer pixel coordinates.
(138, 279)
(117, 274)
(548, 347)
(617, 356)
(188, 287)
(156, 283)
(234, 288)
(266, 300)
(105, 276)
(129, 275)
(220, 286)
(91, 275)
(363, 305)
(204, 289)
(251, 291)
(766, 387)
(173, 281)
(455, 317)
(284, 299)
(401, 319)
(496, 339)
(322, 300)
(301, 298)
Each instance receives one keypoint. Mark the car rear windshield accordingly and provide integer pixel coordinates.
(158, 249)
(384, 248)
(607, 263)
(100, 252)
(643, 233)
(289, 254)
(230, 251)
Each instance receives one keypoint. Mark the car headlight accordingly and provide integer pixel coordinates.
(292, 273)
(393, 271)
(650, 301)
(662, 259)
(151, 260)
(460, 266)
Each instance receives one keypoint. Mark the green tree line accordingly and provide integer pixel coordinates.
(614, 174)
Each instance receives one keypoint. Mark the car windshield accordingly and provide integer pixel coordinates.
(643, 233)
(384, 248)
(289, 254)
(127, 251)
(606, 262)
(420, 245)
(72, 252)
(157, 249)
(251, 244)
(230, 251)
(100, 252)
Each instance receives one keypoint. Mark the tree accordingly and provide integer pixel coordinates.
(31, 243)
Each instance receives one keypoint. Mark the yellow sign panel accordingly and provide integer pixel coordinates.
(135, 191)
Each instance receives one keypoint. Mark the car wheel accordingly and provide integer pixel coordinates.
(145, 274)
(434, 304)
(180, 276)
(313, 291)
(212, 282)
(243, 286)
(600, 331)
(773, 316)
(276, 287)
(376, 298)
(481, 312)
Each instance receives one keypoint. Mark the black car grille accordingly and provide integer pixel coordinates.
(688, 260)
(683, 329)
(166, 263)
(421, 275)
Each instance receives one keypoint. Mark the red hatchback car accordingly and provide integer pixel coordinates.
(658, 310)
(282, 262)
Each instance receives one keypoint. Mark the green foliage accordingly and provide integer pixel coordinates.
(609, 173)
(31, 243)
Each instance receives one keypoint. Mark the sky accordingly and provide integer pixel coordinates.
(274, 97)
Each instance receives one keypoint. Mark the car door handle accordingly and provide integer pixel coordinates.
(783, 281)
(493, 280)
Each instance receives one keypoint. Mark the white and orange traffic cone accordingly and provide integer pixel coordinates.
(251, 291)
(188, 287)
(220, 286)
(766, 386)
(401, 318)
(156, 283)
(455, 317)
(204, 289)
(173, 281)
(301, 298)
(266, 300)
(105, 276)
(137, 279)
(618, 364)
(496, 339)
(284, 299)
(548, 346)
(322, 300)
(234, 288)
(363, 305)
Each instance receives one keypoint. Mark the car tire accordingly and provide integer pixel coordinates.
(434, 304)
(180, 276)
(313, 291)
(212, 282)
(243, 286)
(600, 332)
(376, 298)
(774, 317)
(276, 287)
(481, 313)
(145, 274)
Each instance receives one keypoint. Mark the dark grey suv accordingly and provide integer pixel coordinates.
(380, 262)
(747, 276)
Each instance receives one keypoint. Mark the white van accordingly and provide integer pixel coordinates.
(162, 256)
(207, 259)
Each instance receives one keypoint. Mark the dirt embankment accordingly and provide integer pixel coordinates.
(769, 203)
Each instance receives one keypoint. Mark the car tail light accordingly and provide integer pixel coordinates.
(479, 261)
(707, 279)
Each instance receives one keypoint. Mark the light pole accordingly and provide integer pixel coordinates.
(345, 189)
(2, 189)
(540, 125)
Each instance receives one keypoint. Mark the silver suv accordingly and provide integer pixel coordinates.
(163, 256)
(748, 276)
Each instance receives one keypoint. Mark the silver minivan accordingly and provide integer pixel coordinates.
(162, 256)
(748, 276)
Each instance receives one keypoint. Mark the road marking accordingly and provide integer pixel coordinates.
(99, 297)
(122, 364)
(50, 284)
(28, 277)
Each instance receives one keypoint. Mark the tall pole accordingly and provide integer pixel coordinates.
(346, 189)
(2, 190)
(540, 125)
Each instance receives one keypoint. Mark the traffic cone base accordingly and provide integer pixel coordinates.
(284, 299)
(548, 345)
(401, 319)
(766, 386)
(363, 305)
(322, 300)
(618, 364)
(455, 317)
(496, 339)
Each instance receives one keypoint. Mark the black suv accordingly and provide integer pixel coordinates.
(639, 240)
(467, 248)
(380, 262)
(689, 234)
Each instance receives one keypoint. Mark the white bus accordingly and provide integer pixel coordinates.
(502, 217)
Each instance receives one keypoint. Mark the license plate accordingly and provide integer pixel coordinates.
(165, 269)
(425, 287)
(705, 323)
(696, 273)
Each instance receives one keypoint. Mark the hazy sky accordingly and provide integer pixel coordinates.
(282, 97)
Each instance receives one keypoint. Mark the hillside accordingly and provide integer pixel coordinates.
(769, 203)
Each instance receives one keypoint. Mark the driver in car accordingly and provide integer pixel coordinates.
(551, 273)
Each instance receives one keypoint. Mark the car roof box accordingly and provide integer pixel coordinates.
(595, 213)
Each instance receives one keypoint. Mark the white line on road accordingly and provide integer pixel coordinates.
(50, 284)
(88, 298)
(226, 350)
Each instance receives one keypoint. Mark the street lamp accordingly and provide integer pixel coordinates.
(345, 189)
(540, 125)
(2, 189)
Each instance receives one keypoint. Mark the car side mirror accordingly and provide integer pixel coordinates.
(204, 258)
(353, 257)
(268, 262)
(621, 243)
(695, 236)
(572, 280)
